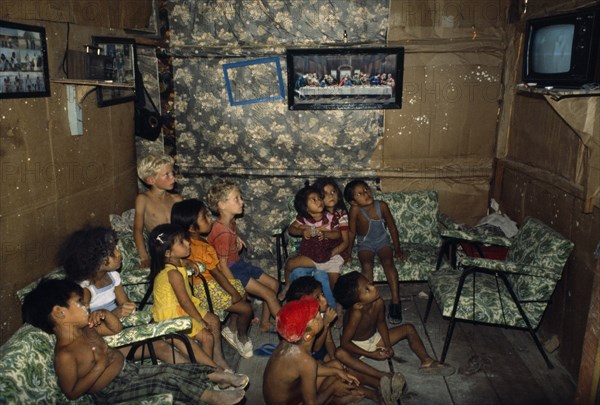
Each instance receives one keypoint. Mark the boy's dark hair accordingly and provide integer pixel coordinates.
(38, 304)
(300, 287)
(160, 240)
(301, 199)
(346, 289)
(321, 182)
(185, 213)
(349, 189)
(85, 251)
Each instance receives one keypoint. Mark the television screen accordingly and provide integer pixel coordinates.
(563, 50)
(552, 47)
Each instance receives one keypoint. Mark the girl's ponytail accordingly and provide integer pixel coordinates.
(160, 240)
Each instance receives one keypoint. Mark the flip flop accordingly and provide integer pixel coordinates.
(265, 350)
(230, 387)
(385, 389)
(437, 368)
(398, 386)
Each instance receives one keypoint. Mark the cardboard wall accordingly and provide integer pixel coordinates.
(53, 183)
(546, 167)
(444, 137)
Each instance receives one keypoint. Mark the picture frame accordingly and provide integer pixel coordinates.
(112, 60)
(345, 78)
(265, 76)
(23, 61)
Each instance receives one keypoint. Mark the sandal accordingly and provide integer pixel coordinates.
(265, 350)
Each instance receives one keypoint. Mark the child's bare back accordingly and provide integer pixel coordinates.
(284, 372)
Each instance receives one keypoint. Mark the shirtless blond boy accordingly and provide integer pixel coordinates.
(153, 207)
(85, 364)
(292, 375)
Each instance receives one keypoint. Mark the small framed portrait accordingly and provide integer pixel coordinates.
(112, 60)
(23, 61)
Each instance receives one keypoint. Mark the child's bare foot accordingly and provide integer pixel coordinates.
(267, 327)
(221, 363)
(213, 397)
(436, 368)
(281, 295)
(226, 379)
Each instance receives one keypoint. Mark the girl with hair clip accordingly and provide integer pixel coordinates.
(173, 297)
(226, 292)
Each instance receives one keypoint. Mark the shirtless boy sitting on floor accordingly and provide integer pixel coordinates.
(292, 375)
(366, 333)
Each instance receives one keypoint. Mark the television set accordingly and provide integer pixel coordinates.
(345, 78)
(563, 50)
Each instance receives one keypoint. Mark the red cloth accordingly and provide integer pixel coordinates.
(294, 316)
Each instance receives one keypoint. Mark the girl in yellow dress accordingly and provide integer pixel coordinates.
(173, 297)
(226, 293)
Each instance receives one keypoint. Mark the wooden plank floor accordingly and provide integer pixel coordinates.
(494, 365)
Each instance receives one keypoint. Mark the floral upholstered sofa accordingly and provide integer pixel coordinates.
(27, 358)
(419, 224)
(514, 292)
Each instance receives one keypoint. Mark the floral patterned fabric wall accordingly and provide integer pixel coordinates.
(268, 149)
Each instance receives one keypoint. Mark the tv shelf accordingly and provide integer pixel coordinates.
(556, 93)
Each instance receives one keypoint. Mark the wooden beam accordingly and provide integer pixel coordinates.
(545, 176)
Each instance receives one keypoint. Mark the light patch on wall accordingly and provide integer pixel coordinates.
(254, 81)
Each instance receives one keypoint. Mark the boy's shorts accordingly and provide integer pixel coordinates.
(333, 265)
(369, 345)
(373, 245)
(245, 271)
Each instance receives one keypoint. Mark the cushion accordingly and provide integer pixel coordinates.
(416, 215)
(27, 369)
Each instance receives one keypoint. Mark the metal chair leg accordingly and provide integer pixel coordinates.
(526, 319)
(450, 331)
(391, 367)
(429, 302)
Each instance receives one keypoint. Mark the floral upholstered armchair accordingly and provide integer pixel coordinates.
(514, 292)
(27, 358)
(27, 371)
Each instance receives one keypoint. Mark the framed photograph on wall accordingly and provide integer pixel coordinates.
(345, 78)
(23, 61)
(112, 60)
